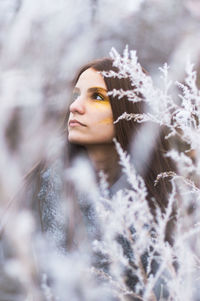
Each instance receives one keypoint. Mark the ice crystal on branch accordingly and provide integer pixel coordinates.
(187, 116)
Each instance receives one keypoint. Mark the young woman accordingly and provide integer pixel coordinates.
(91, 129)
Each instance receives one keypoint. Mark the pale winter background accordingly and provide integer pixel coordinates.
(48, 251)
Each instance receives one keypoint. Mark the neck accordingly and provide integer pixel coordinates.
(105, 158)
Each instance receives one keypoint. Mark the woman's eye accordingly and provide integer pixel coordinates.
(97, 96)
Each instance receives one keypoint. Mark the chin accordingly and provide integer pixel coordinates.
(75, 140)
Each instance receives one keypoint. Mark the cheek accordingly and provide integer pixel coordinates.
(104, 128)
(108, 120)
(103, 113)
(101, 125)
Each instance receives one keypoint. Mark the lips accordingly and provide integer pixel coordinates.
(74, 122)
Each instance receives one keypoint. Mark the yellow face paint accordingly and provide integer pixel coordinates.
(105, 100)
(106, 121)
(100, 104)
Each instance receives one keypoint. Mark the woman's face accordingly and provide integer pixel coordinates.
(91, 119)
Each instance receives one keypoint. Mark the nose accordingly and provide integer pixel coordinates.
(77, 106)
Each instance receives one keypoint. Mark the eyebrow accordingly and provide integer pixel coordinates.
(97, 89)
(93, 89)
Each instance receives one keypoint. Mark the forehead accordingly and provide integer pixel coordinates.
(90, 78)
